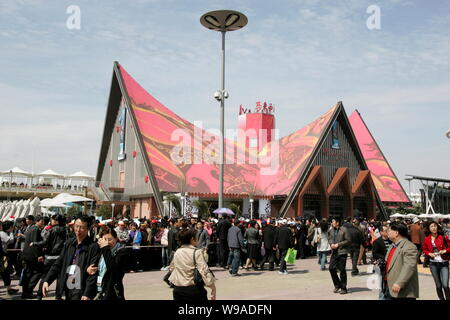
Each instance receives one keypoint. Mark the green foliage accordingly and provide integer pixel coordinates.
(103, 211)
(402, 209)
(175, 202)
(73, 212)
(236, 209)
(203, 208)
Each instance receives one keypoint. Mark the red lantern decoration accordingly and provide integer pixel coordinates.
(110, 163)
(146, 179)
(134, 154)
(117, 129)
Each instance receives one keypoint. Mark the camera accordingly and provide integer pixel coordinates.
(218, 95)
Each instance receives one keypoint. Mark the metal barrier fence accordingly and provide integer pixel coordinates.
(150, 257)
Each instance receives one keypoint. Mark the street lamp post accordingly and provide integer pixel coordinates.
(10, 185)
(182, 205)
(223, 21)
(251, 208)
(112, 209)
(409, 180)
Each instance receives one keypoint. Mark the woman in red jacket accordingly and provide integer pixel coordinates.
(436, 246)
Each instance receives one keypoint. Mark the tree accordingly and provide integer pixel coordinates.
(103, 211)
(176, 202)
(203, 208)
(236, 209)
(73, 212)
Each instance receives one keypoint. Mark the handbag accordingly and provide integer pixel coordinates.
(445, 256)
(290, 256)
(166, 279)
(198, 279)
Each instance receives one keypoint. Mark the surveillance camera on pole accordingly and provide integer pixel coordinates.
(219, 95)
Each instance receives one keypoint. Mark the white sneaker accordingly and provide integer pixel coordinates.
(163, 269)
(279, 272)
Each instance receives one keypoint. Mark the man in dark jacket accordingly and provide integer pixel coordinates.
(201, 235)
(302, 232)
(33, 259)
(71, 266)
(356, 241)
(284, 240)
(235, 243)
(172, 239)
(339, 240)
(222, 232)
(269, 235)
(52, 244)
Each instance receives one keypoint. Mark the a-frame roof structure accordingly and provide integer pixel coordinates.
(386, 182)
(336, 112)
(160, 132)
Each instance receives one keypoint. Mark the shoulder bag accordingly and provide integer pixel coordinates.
(198, 280)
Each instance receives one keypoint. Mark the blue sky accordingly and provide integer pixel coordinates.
(303, 56)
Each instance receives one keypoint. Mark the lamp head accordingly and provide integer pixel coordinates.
(224, 20)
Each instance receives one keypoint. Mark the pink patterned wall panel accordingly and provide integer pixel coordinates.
(385, 181)
(156, 124)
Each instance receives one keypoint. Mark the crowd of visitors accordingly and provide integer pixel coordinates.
(88, 258)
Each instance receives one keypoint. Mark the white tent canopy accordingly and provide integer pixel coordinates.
(16, 172)
(66, 198)
(51, 203)
(80, 175)
(397, 215)
(50, 173)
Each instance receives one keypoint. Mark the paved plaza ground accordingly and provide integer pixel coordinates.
(305, 281)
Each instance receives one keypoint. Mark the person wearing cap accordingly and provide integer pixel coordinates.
(122, 232)
(284, 240)
(417, 236)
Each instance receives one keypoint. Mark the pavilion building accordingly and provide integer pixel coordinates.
(332, 166)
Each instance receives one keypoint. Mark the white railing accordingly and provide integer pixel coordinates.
(43, 189)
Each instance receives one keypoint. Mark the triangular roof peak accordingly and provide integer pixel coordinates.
(386, 182)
